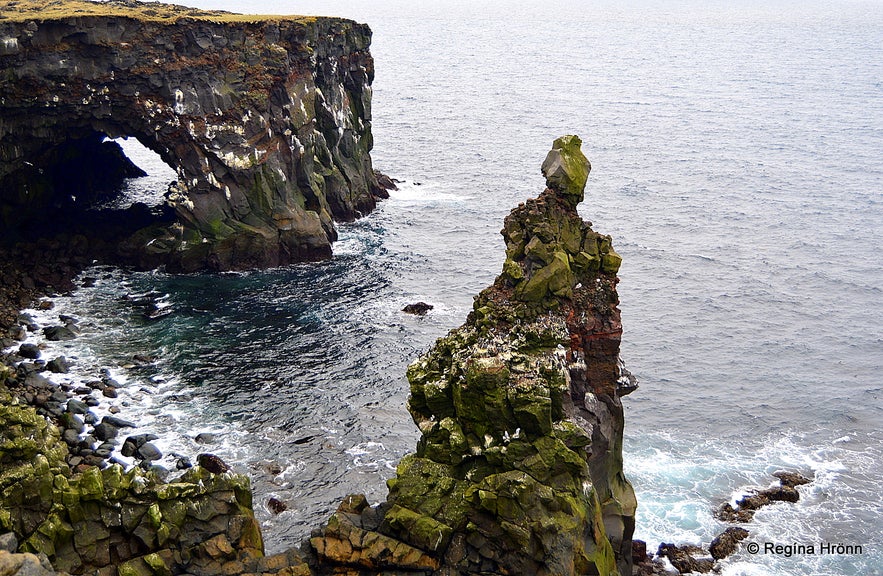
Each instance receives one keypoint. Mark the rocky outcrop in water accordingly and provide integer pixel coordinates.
(519, 466)
(267, 121)
(518, 469)
(689, 559)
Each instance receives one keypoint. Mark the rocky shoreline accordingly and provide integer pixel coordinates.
(59, 454)
(507, 477)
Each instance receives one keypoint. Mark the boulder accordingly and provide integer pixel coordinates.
(132, 444)
(8, 542)
(30, 351)
(686, 559)
(418, 308)
(276, 506)
(56, 333)
(105, 431)
(206, 438)
(212, 463)
(727, 542)
(566, 169)
(58, 365)
(149, 452)
(118, 422)
(791, 479)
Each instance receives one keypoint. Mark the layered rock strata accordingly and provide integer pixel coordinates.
(518, 469)
(267, 121)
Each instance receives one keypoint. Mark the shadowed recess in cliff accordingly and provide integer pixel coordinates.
(266, 121)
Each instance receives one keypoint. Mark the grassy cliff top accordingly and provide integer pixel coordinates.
(23, 10)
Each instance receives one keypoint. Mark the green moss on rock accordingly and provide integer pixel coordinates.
(506, 470)
(566, 169)
(75, 519)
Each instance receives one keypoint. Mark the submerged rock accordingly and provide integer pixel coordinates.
(276, 505)
(417, 308)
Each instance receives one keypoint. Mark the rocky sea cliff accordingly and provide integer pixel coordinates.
(519, 468)
(266, 120)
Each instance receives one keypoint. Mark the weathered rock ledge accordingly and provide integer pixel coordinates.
(267, 121)
(114, 521)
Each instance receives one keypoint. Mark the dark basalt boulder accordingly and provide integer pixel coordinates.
(212, 463)
(57, 333)
(750, 503)
(276, 505)
(417, 308)
(727, 542)
(58, 365)
(30, 351)
(686, 559)
(791, 479)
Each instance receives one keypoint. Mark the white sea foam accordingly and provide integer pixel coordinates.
(413, 194)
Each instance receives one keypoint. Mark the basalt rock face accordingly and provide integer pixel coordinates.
(519, 467)
(111, 520)
(267, 121)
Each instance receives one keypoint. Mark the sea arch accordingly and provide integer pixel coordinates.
(266, 121)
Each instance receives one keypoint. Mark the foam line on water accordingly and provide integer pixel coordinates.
(680, 480)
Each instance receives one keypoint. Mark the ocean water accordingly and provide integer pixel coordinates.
(737, 153)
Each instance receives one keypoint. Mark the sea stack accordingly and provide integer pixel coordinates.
(519, 466)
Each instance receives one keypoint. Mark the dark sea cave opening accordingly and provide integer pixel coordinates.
(85, 191)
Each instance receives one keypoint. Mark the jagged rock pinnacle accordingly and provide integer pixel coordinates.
(549, 249)
(566, 169)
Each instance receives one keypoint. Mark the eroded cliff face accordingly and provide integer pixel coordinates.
(518, 469)
(267, 121)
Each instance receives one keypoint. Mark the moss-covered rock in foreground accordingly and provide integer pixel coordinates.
(125, 522)
(519, 466)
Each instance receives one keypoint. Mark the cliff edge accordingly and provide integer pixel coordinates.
(266, 120)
